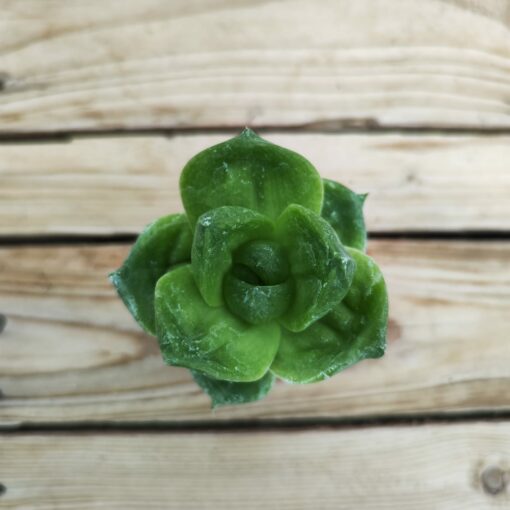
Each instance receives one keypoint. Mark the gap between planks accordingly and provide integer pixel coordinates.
(250, 425)
(68, 136)
(122, 239)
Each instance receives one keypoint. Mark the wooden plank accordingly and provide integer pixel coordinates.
(447, 467)
(119, 184)
(70, 351)
(110, 64)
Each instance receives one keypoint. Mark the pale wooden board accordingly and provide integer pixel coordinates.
(109, 64)
(119, 184)
(71, 352)
(445, 467)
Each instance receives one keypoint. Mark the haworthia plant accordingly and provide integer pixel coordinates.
(263, 277)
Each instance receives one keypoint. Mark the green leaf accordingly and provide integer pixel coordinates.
(343, 210)
(224, 393)
(211, 340)
(218, 233)
(354, 330)
(250, 172)
(162, 245)
(266, 259)
(321, 268)
(254, 303)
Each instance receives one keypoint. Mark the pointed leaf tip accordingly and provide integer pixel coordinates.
(248, 132)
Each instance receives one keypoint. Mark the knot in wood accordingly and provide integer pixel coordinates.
(494, 480)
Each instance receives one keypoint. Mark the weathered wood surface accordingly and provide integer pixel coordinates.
(70, 352)
(119, 184)
(448, 467)
(109, 64)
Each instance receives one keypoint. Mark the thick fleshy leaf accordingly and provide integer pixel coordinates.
(266, 259)
(224, 393)
(218, 233)
(162, 245)
(354, 330)
(343, 210)
(211, 340)
(250, 172)
(320, 266)
(254, 303)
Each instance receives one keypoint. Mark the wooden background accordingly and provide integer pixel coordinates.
(101, 104)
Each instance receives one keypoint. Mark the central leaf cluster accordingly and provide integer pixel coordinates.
(258, 287)
(293, 269)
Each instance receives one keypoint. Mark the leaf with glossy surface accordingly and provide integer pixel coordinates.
(254, 303)
(162, 245)
(224, 393)
(354, 330)
(266, 259)
(218, 233)
(211, 340)
(250, 172)
(320, 266)
(343, 210)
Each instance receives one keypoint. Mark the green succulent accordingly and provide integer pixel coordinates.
(264, 276)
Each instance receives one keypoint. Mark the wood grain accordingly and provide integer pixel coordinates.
(119, 184)
(447, 467)
(115, 64)
(70, 352)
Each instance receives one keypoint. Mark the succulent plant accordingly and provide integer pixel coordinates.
(264, 276)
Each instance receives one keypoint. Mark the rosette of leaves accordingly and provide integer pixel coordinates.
(264, 276)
